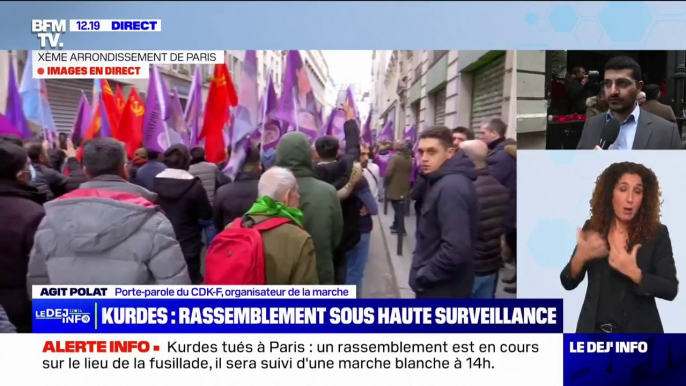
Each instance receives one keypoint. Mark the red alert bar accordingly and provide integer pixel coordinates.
(89, 346)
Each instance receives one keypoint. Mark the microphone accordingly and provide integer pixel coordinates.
(609, 134)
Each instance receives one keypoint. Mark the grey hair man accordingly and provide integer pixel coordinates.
(493, 205)
(289, 255)
(107, 231)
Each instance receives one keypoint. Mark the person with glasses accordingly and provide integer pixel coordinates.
(639, 129)
(21, 212)
(626, 252)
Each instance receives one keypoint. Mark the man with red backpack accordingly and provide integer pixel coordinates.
(268, 245)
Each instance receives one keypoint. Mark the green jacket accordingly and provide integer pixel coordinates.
(398, 176)
(321, 208)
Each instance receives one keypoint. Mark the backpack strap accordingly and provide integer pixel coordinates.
(237, 223)
(271, 223)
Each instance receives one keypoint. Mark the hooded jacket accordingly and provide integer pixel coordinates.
(503, 167)
(443, 260)
(20, 214)
(318, 201)
(98, 236)
(184, 201)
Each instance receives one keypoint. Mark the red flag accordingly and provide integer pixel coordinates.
(96, 122)
(110, 102)
(222, 95)
(130, 129)
(121, 101)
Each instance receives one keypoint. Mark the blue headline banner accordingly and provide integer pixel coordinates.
(624, 359)
(391, 316)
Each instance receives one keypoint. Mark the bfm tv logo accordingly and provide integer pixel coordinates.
(66, 315)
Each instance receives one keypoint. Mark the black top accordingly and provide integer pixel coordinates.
(184, 202)
(611, 295)
(612, 285)
(232, 200)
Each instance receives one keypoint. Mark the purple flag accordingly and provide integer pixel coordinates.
(335, 124)
(15, 114)
(176, 124)
(193, 113)
(83, 119)
(367, 129)
(6, 127)
(272, 128)
(387, 133)
(410, 134)
(105, 128)
(155, 133)
(297, 106)
(245, 115)
(349, 96)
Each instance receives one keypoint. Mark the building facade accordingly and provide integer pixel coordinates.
(450, 88)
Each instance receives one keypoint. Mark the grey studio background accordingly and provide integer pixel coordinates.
(554, 189)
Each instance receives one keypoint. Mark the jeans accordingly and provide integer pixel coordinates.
(484, 286)
(357, 260)
(210, 230)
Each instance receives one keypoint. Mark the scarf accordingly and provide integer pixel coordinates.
(270, 207)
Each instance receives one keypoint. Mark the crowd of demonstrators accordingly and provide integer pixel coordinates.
(106, 232)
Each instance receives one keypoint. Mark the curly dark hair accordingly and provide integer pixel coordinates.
(644, 225)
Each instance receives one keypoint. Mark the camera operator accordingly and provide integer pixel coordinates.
(579, 88)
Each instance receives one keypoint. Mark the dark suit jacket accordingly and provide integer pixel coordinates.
(652, 133)
(640, 314)
(663, 111)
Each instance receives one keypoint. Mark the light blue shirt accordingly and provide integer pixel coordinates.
(627, 130)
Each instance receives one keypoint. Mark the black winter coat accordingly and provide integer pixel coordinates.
(338, 174)
(234, 199)
(21, 212)
(184, 201)
(443, 261)
(493, 204)
(503, 167)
